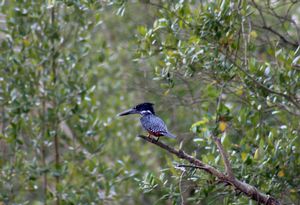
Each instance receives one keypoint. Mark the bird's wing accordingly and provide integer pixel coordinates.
(154, 124)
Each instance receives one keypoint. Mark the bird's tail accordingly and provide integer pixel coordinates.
(168, 134)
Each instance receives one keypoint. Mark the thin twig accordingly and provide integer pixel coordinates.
(217, 141)
(264, 87)
(43, 147)
(56, 142)
(180, 187)
(168, 10)
(268, 28)
(189, 166)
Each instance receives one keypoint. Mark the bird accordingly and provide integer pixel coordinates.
(149, 121)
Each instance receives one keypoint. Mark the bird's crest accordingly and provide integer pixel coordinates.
(145, 106)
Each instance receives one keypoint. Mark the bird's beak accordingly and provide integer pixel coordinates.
(128, 112)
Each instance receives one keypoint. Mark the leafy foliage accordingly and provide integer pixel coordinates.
(68, 67)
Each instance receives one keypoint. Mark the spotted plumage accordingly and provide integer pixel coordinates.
(150, 122)
(155, 126)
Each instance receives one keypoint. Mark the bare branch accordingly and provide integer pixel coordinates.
(243, 187)
(182, 155)
(224, 156)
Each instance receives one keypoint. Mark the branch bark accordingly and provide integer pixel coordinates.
(243, 187)
(228, 168)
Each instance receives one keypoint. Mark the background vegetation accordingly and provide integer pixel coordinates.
(68, 67)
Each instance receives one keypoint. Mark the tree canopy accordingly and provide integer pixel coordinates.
(224, 76)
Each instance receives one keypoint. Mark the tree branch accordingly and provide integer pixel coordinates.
(228, 168)
(264, 87)
(224, 156)
(268, 28)
(243, 187)
(281, 36)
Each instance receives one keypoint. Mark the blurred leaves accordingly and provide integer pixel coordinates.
(109, 56)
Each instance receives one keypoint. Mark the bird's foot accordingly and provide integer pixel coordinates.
(150, 137)
(153, 138)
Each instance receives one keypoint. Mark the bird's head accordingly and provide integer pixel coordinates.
(143, 108)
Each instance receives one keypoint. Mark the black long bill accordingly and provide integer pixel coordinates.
(128, 112)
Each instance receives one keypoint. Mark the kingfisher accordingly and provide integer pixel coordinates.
(150, 122)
